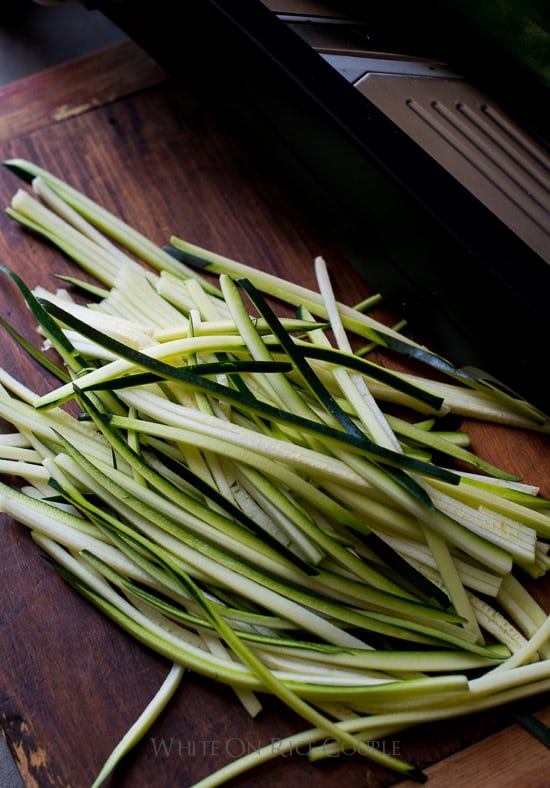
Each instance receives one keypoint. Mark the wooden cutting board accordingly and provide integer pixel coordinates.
(71, 683)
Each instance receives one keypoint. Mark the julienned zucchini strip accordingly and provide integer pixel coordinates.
(35, 353)
(73, 360)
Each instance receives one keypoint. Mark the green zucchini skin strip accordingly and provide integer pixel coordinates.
(211, 368)
(56, 336)
(374, 371)
(308, 350)
(36, 354)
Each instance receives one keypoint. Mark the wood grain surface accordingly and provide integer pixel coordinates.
(71, 683)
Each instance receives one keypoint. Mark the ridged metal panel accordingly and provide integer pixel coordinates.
(475, 141)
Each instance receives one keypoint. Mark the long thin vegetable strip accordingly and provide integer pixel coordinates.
(128, 294)
(135, 733)
(45, 362)
(304, 369)
(282, 391)
(354, 387)
(440, 444)
(72, 360)
(475, 404)
(473, 577)
(134, 333)
(475, 495)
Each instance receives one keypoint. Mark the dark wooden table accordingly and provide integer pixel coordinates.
(71, 683)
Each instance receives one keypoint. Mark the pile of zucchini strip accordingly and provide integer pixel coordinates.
(234, 489)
